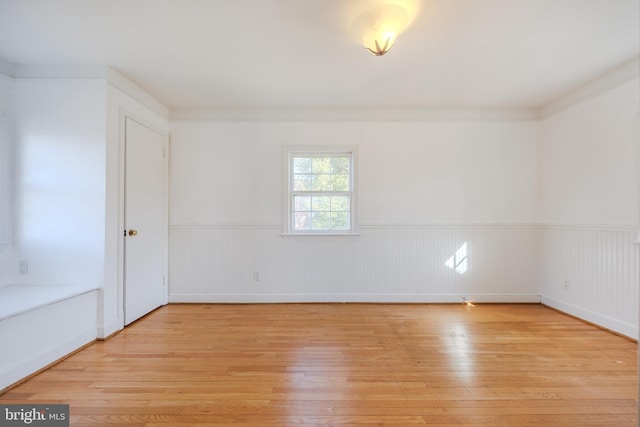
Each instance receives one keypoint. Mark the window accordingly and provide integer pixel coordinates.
(320, 190)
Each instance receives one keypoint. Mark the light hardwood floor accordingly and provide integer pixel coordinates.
(347, 364)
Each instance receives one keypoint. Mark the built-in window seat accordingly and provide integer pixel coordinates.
(41, 324)
(17, 299)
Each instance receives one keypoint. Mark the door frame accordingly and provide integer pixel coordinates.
(122, 139)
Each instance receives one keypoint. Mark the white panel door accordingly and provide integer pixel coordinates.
(144, 219)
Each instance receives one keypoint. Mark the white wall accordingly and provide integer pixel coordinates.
(547, 208)
(6, 94)
(425, 188)
(588, 159)
(60, 180)
(588, 155)
(6, 177)
(410, 173)
(58, 212)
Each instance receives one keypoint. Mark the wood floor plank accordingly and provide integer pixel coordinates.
(345, 365)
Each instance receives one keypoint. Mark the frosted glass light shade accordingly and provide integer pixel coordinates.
(379, 26)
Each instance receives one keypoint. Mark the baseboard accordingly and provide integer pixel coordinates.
(362, 298)
(105, 332)
(606, 322)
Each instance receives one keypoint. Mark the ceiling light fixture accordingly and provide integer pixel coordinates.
(379, 51)
(377, 23)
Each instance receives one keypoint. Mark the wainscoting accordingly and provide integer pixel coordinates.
(592, 272)
(587, 271)
(385, 263)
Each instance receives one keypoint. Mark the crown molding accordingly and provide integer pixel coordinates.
(122, 83)
(351, 114)
(617, 77)
(26, 72)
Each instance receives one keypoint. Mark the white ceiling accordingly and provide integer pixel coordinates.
(302, 53)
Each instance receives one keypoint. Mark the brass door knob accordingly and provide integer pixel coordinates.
(133, 232)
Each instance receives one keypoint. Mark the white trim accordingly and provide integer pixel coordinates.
(18, 299)
(27, 72)
(352, 114)
(591, 227)
(123, 115)
(607, 322)
(119, 81)
(64, 72)
(319, 234)
(623, 74)
(617, 77)
(198, 226)
(382, 226)
(392, 226)
(113, 327)
(356, 298)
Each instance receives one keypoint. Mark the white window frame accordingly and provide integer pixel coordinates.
(296, 151)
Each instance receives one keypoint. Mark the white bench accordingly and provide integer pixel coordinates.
(41, 324)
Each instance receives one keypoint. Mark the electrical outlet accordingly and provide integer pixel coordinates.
(567, 284)
(256, 276)
(23, 268)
